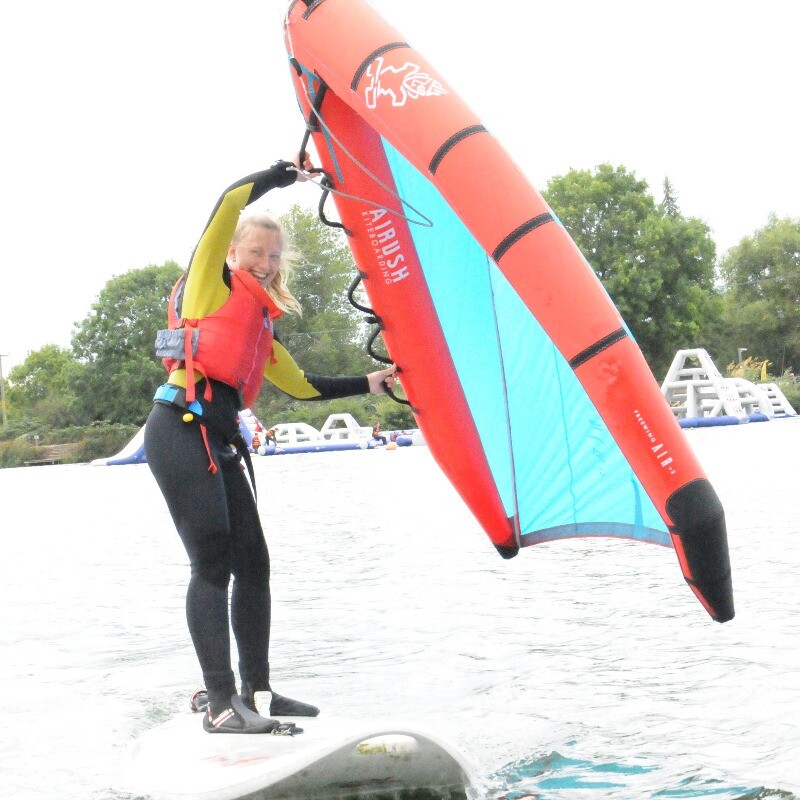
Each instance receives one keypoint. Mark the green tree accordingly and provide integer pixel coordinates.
(762, 279)
(656, 265)
(115, 344)
(328, 335)
(670, 201)
(43, 372)
(682, 254)
(41, 389)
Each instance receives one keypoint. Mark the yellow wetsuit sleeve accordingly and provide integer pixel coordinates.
(205, 289)
(289, 378)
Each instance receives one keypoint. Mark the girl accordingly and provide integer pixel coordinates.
(218, 349)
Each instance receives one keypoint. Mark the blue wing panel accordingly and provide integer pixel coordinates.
(555, 464)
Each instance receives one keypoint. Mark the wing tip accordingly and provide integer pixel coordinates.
(507, 550)
(701, 543)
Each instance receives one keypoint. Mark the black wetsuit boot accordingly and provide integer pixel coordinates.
(279, 706)
(232, 716)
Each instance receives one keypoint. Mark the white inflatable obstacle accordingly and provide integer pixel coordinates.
(781, 407)
(340, 427)
(132, 453)
(340, 432)
(699, 394)
(296, 433)
(343, 427)
(337, 428)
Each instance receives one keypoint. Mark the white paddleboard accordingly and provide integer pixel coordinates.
(332, 758)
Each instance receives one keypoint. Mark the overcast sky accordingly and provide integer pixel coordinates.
(122, 123)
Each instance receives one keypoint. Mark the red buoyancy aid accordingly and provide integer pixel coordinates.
(235, 341)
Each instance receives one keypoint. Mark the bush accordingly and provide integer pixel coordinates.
(15, 429)
(395, 416)
(61, 435)
(100, 440)
(791, 388)
(16, 452)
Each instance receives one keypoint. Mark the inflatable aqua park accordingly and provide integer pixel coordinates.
(340, 432)
(700, 397)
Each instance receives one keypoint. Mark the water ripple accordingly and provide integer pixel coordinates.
(579, 669)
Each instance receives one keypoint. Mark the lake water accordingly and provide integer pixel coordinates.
(580, 669)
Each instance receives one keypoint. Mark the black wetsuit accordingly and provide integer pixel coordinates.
(215, 513)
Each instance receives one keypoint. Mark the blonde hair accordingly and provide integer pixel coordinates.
(278, 290)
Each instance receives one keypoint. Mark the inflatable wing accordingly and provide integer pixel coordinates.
(532, 395)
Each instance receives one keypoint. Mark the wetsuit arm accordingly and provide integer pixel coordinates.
(289, 378)
(206, 289)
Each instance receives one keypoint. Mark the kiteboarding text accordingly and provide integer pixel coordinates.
(385, 244)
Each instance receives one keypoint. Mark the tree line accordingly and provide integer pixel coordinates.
(660, 268)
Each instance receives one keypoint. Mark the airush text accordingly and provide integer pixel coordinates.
(385, 244)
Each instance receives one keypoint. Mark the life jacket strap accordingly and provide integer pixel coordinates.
(212, 467)
(190, 364)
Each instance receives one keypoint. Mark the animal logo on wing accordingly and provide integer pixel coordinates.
(399, 83)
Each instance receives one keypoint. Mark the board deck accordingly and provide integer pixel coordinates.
(332, 758)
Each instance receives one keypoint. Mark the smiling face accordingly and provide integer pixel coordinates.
(258, 253)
